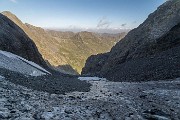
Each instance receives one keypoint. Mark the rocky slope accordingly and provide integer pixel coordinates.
(105, 101)
(14, 39)
(148, 52)
(26, 73)
(67, 50)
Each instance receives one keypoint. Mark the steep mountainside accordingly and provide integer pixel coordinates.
(14, 40)
(148, 52)
(67, 50)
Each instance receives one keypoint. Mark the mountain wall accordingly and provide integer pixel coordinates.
(13, 39)
(151, 51)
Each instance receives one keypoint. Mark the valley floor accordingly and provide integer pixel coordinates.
(106, 100)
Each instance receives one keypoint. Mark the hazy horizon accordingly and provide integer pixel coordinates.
(76, 30)
(110, 16)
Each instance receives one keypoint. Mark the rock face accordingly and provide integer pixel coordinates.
(67, 48)
(94, 64)
(150, 51)
(14, 40)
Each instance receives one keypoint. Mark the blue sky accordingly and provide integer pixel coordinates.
(106, 14)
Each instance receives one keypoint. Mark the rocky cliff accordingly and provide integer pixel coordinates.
(13, 39)
(148, 52)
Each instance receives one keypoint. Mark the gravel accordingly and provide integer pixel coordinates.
(157, 100)
(55, 83)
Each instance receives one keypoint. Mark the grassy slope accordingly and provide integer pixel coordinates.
(67, 48)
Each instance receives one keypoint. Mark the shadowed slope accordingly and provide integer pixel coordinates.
(14, 40)
(130, 60)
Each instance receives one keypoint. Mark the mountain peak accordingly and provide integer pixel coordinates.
(7, 13)
(12, 17)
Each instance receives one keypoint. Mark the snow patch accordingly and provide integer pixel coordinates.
(8, 54)
(34, 64)
(91, 79)
(13, 56)
(18, 64)
(34, 73)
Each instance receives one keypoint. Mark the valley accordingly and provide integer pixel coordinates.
(67, 51)
(64, 75)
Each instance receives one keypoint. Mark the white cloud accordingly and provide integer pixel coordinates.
(123, 25)
(103, 23)
(14, 1)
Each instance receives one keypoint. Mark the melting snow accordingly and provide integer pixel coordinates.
(34, 64)
(16, 63)
(8, 54)
(34, 73)
(92, 78)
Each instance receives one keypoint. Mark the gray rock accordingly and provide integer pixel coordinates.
(94, 105)
(146, 53)
(4, 113)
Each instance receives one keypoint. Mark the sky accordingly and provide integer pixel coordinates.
(82, 14)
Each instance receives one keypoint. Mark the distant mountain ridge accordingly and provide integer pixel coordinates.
(148, 52)
(61, 49)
